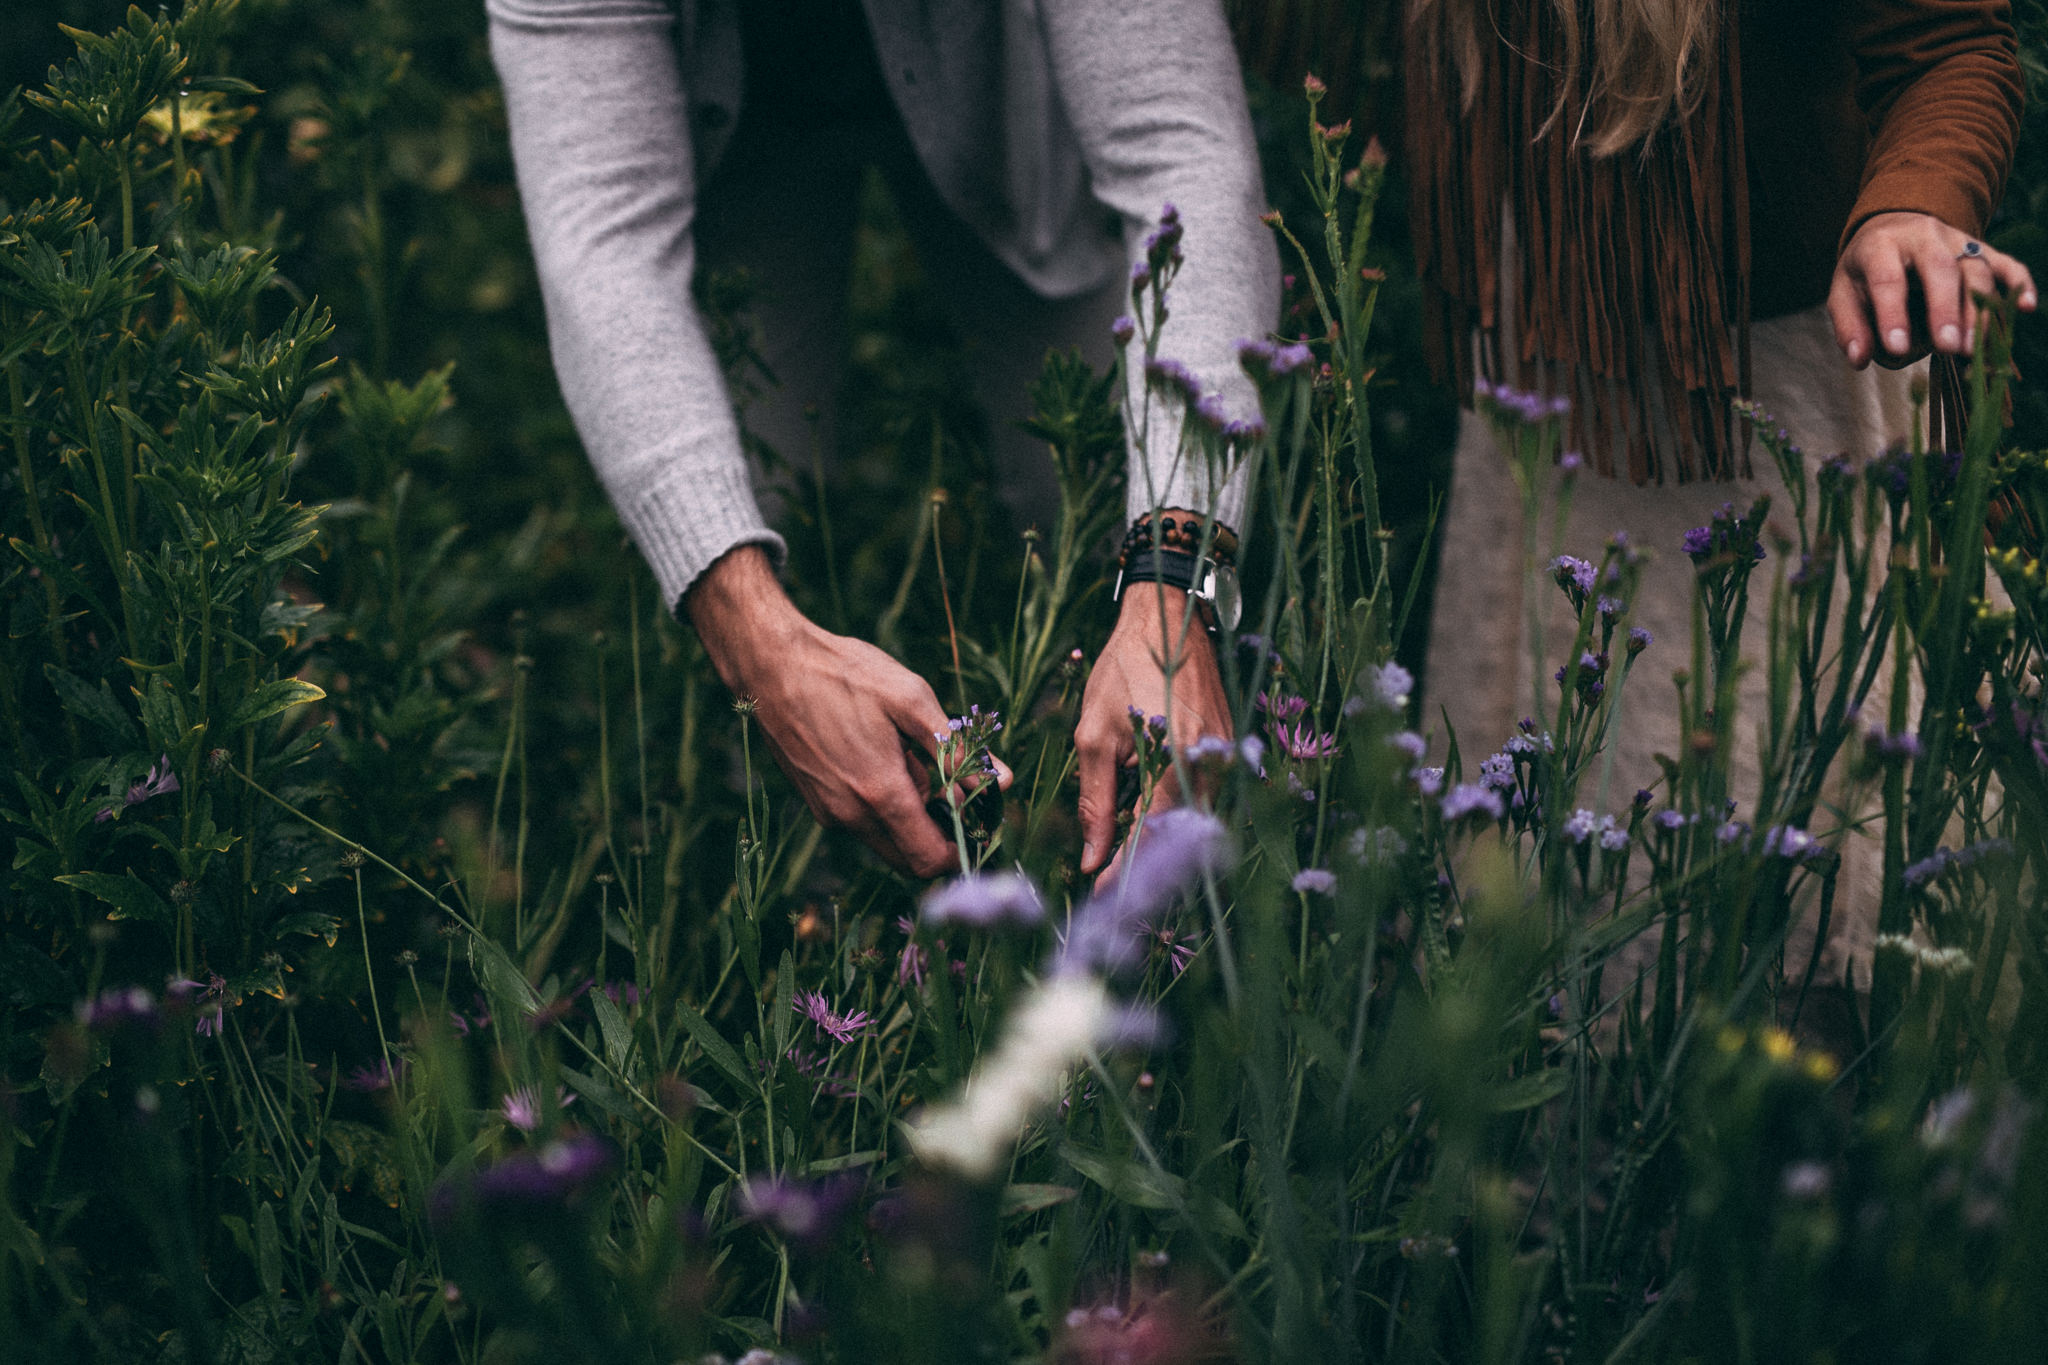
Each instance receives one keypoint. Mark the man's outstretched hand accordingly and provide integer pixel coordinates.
(1130, 674)
(844, 720)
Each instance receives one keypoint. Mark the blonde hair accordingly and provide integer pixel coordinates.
(1626, 68)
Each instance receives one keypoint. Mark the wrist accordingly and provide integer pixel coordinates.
(743, 616)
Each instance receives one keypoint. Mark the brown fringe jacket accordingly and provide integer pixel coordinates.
(1817, 115)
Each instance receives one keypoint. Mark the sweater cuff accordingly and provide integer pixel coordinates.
(685, 522)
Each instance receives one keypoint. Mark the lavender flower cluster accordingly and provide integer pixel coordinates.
(1729, 536)
(1266, 361)
(1944, 860)
(1520, 405)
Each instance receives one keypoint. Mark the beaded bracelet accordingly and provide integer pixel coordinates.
(1181, 534)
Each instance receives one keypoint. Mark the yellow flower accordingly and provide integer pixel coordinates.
(1778, 1045)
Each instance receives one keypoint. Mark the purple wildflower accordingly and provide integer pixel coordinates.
(1282, 707)
(1246, 430)
(1571, 462)
(1409, 743)
(114, 1008)
(1210, 412)
(1638, 640)
(161, 781)
(1303, 742)
(1571, 573)
(1497, 772)
(1670, 821)
(1579, 825)
(378, 1076)
(985, 900)
(1613, 835)
(799, 1212)
(1787, 841)
(1315, 879)
(843, 1028)
(1123, 329)
(1466, 799)
(1173, 850)
(1389, 684)
(522, 1106)
(1429, 781)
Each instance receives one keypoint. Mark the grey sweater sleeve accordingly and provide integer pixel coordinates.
(1153, 91)
(602, 150)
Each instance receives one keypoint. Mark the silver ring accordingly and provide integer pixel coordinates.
(1971, 251)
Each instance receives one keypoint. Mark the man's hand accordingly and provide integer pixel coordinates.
(1131, 673)
(1871, 304)
(845, 721)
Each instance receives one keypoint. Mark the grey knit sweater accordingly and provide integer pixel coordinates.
(1030, 116)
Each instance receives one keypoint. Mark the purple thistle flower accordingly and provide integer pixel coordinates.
(1638, 640)
(522, 1106)
(1210, 412)
(1282, 707)
(1315, 879)
(378, 1076)
(842, 1028)
(1303, 742)
(1467, 799)
(1429, 781)
(160, 781)
(985, 900)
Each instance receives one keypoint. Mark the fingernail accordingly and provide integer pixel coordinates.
(1087, 855)
(1855, 353)
(1951, 337)
(2027, 299)
(1896, 338)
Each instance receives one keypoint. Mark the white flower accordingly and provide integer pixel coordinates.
(1055, 1029)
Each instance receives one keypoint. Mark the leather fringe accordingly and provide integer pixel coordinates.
(1630, 276)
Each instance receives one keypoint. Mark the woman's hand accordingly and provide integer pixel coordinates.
(1131, 673)
(1871, 301)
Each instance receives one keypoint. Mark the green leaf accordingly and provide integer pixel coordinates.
(618, 1035)
(715, 1047)
(1129, 1181)
(1527, 1092)
(130, 898)
(785, 1001)
(500, 976)
(311, 923)
(272, 698)
(269, 1255)
(1021, 1199)
(96, 707)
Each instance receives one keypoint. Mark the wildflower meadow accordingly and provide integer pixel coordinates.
(410, 952)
